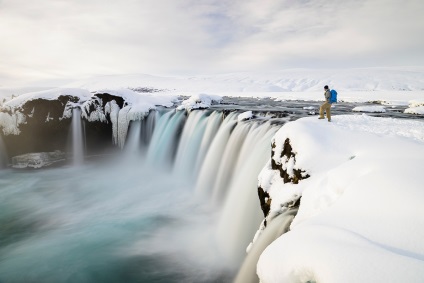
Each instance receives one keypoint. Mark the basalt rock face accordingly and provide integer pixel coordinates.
(283, 164)
(43, 125)
(286, 167)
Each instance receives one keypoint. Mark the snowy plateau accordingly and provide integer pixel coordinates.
(351, 191)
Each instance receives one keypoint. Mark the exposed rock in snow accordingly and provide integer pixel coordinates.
(281, 168)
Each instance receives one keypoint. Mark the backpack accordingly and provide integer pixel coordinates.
(333, 96)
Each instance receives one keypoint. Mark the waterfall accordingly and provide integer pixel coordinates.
(190, 142)
(210, 166)
(241, 213)
(133, 141)
(77, 138)
(275, 228)
(165, 139)
(139, 134)
(228, 161)
(3, 154)
(148, 125)
(221, 159)
(213, 123)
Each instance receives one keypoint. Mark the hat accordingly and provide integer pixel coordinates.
(326, 87)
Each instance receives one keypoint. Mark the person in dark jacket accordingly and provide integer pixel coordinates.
(326, 106)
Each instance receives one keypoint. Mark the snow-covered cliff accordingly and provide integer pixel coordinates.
(360, 215)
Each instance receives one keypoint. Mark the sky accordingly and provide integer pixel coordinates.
(51, 41)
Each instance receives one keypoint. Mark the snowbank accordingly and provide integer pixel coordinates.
(361, 217)
(50, 94)
(415, 110)
(370, 109)
(199, 101)
(142, 101)
(416, 103)
(415, 107)
(245, 116)
(287, 80)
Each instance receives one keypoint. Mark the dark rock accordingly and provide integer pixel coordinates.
(298, 174)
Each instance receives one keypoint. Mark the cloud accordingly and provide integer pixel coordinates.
(71, 39)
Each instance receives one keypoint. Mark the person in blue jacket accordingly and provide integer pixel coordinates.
(326, 106)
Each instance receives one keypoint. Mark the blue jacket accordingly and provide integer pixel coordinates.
(327, 95)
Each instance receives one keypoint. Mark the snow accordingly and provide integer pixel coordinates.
(199, 101)
(361, 217)
(50, 94)
(245, 116)
(416, 103)
(370, 109)
(415, 110)
(287, 80)
(143, 101)
(416, 106)
(137, 106)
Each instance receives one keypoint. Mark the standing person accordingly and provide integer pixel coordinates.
(326, 106)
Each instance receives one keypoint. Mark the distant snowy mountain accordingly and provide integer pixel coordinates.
(294, 80)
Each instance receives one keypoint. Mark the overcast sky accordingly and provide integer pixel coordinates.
(71, 39)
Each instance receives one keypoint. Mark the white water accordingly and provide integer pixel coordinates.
(77, 138)
(190, 143)
(241, 211)
(212, 126)
(165, 139)
(274, 229)
(226, 166)
(139, 134)
(209, 168)
(3, 154)
(133, 142)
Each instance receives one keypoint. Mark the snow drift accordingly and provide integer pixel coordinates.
(360, 217)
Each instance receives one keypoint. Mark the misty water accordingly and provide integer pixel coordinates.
(179, 204)
(117, 222)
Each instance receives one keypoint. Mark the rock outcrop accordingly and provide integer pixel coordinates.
(282, 164)
(43, 125)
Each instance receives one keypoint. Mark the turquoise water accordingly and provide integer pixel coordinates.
(117, 222)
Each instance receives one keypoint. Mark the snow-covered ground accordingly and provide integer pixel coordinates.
(361, 217)
(289, 80)
(388, 86)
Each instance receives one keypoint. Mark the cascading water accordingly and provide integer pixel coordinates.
(165, 138)
(77, 137)
(190, 143)
(133, 142)
(210, 166)
(130, 221)
(3, 154)
(241, 213)
(276, 227)
(229, 158)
